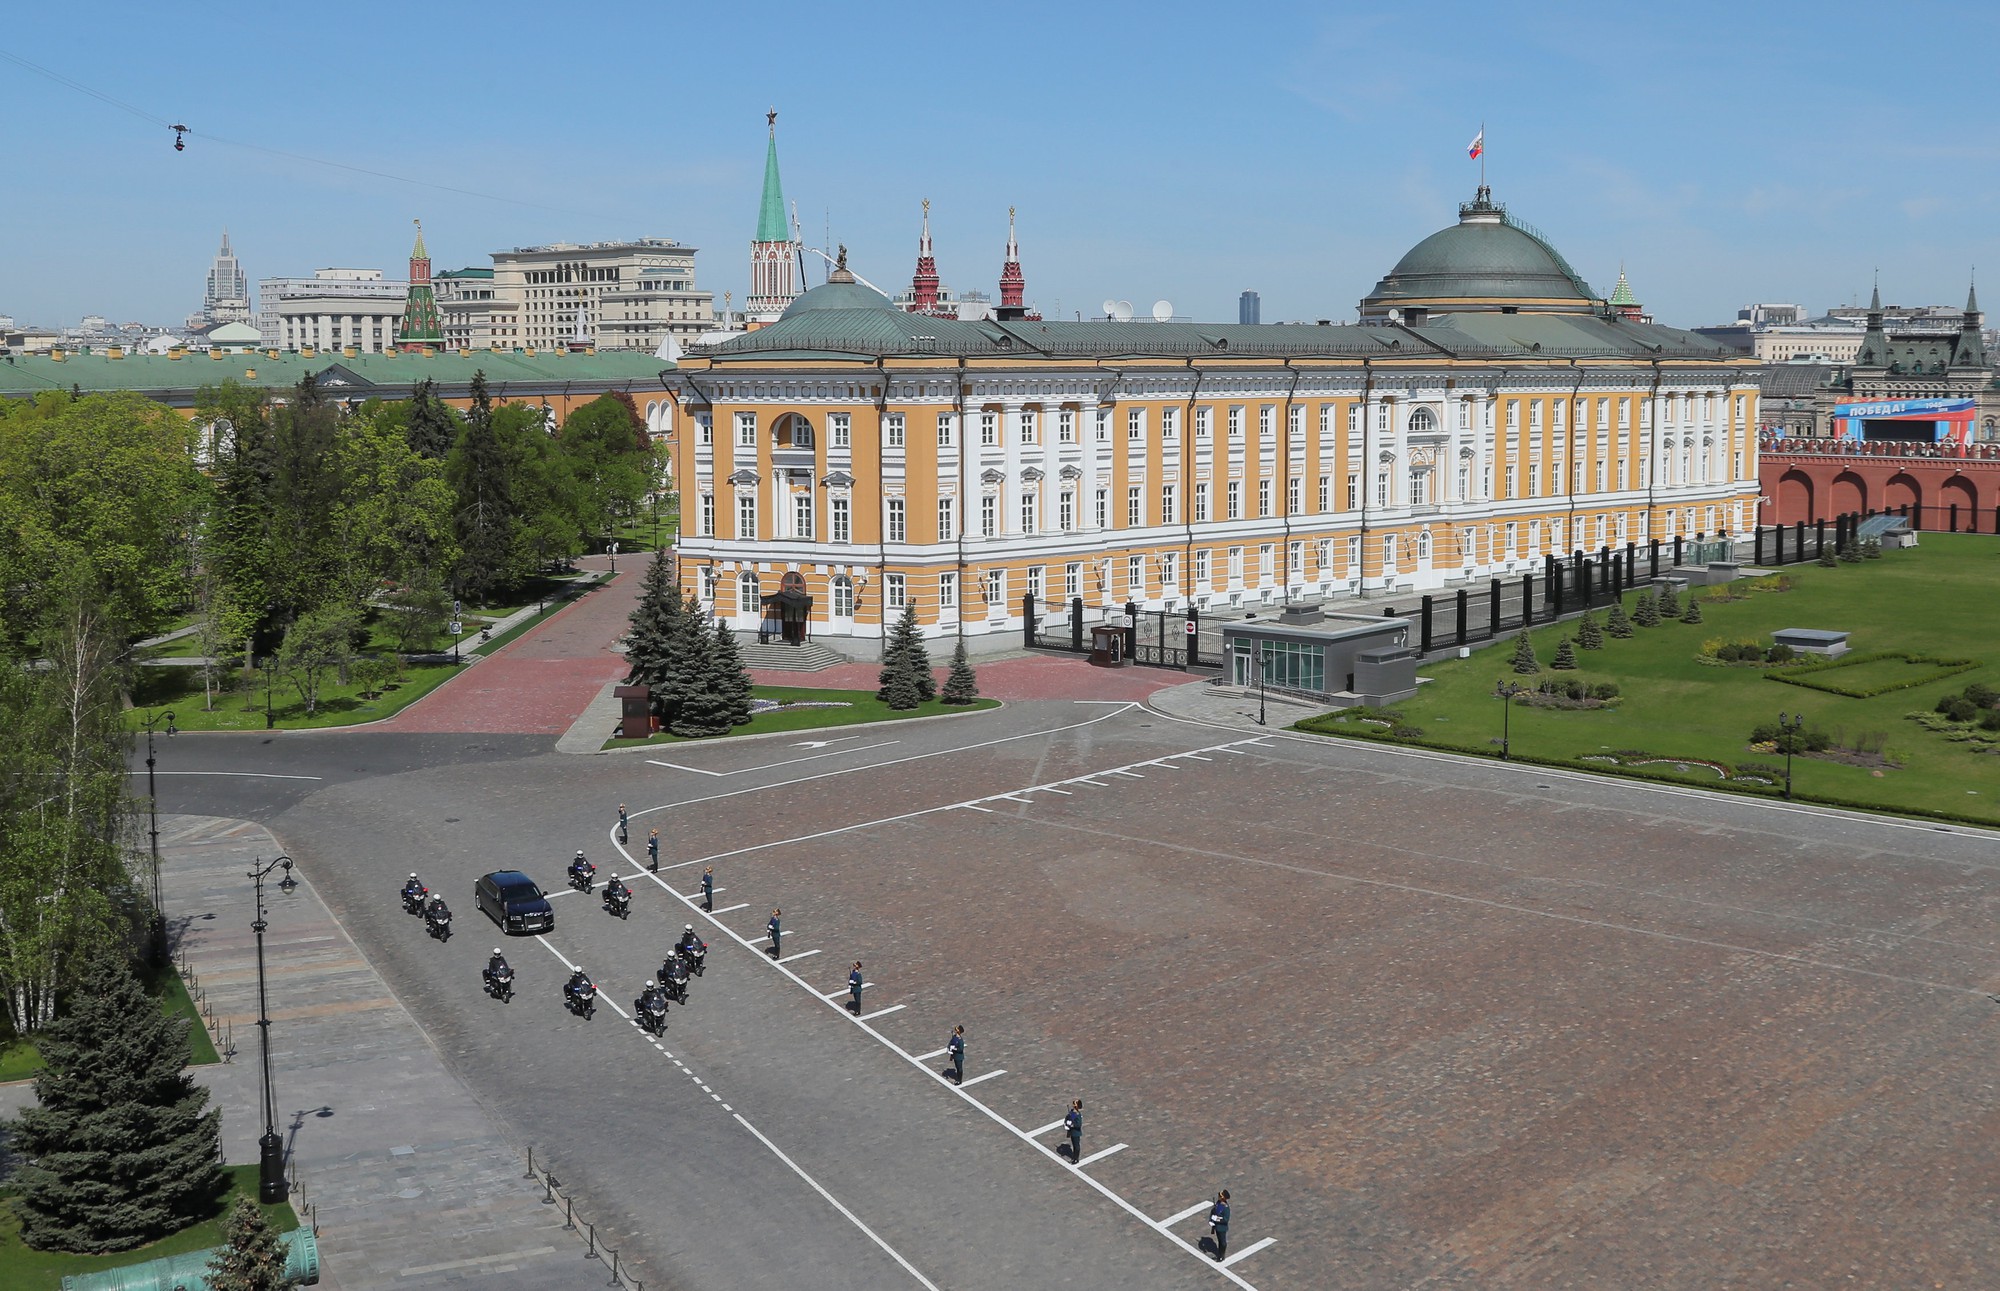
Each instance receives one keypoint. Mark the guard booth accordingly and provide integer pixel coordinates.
(635, 711)
(786, 612)
(1107, 646)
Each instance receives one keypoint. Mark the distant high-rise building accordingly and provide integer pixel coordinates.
(226, 299)
(628, 295)
(1249, 309)
(332, 310)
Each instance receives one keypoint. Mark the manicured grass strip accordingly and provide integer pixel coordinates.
(338, 705)
(1866, 676)
(864, 708)
(176, 1002)
(19, 1060)
(23, 1269)
(1933, 602)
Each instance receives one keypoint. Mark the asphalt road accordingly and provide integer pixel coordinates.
(1340, 980)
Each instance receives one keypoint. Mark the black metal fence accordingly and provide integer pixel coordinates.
(1160, 639)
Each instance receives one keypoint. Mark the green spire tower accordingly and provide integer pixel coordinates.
(774, 253)
(421, 325)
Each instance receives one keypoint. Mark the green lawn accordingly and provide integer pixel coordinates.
(638, 535)
(242, 709)
(1935, 600)
(22, 1269)
(864, 708)
(20, 1060)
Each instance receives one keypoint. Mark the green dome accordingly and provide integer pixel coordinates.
(838, 295)
(1484, 255)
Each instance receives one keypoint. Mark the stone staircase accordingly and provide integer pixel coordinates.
(810, 657)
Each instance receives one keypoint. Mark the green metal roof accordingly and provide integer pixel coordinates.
(174, 381)
(771, 215)
(839, 295)
(1622, 293)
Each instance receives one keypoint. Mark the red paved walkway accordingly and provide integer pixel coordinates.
(1040, 677)
(541, 682)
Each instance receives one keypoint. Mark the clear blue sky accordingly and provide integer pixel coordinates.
(1724, 153)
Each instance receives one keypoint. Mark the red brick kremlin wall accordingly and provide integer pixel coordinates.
(1945, 486)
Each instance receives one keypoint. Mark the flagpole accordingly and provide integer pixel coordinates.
(1482, 154)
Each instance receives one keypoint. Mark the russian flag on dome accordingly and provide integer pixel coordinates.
(1477, 146)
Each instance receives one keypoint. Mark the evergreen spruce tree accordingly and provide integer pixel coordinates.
(1850, 552)
(1589, 636)
(656, 635)
(704, 709)
(1524, 656)
(431, 429)
(905, 658)
(487, 516)
(1692, 614)
(1565, 656)
(1647, 612)
(961, 686)
(1668, 606)
(1618, 623)
(251, 1258)
(1827, 559)
(120, 1150)
(1872, 549)
(731, 678)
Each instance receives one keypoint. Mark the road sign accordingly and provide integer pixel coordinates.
(1189, 627)
(456, 627)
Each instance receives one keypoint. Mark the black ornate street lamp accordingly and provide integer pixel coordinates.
(1505, 691)
(159, 931)
(271, 1187)
(1788, 737)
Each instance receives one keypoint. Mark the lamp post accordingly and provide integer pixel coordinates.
(1258, 659)
(271, 1187)
(159, 932)
(1788, 732)
(270, 663)
(1506, 690)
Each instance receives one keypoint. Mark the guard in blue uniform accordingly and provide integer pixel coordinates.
(1073, 1126)
(854, 985)
(708, 889)
(956, 1047)
(624, 824)
(1218, 1223)
(653, 851)
(773, 928)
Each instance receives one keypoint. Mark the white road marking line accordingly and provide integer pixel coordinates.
(987, 810)
(1196, 756)
(1099, 1156)
(852, 1218)
(731, 909)
(1052, 1125)
(771, 766)
(248, 775)
(801, 955)
(1051, 789)
(1195, 1209)
(1122, 771)
(696, 894)
(926, 1057)
(1248, 1251)
(983, 1076)
(882, 1013)
(844, 990)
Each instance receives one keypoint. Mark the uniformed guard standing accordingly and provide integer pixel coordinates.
(653, 851)
(1218, 1223)
(624, 824)
(1073, 1126)
(854, 985)
(956, 1047)
(708, 889)
(773, 928)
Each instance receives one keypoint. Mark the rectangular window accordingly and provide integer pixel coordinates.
(1035, 575)
(1203, 418)
(1267, 421)
(1104, 508)
(1295, 560)
(1323, 553)
(1510, 483)
(1072, 580)
(1201, 566)
(704, 428)
(947, 591)
(989, 429)
(1354, 419)
(1103, 424)
(894, 520)
(895, 591)
(1420, 488)
(1464, 483)
(842, 527)
(1028, 506)
(1267, 561)
(1354, 558)
(1066, 426)
(1293, 487)
(1135, 576)
(840, 429)
(1233, 498)
(1200, 503)
(996, 592)
(947, 519)
(1134, 506)
(945, 428)
(1353, 492)
(1295, 421)
(1236, 422)
(1382, 488)
(802, 516)
(1382, 417)
(1235, 564)
(746, 430)
(1170, 423)
(707, 515)
(1263, 497)
(1167, 512)
(892, 430)
(746, 516)
(1325, 494)
(1028, 426)
(1135, 423)
(1170, 570)
(1066, 510)
(989, 515)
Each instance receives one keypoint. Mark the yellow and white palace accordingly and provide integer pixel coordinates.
(1488, 409)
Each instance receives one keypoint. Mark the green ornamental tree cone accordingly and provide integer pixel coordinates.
(1617, 623)
(731, 679)
(1589, 635)
(1524, 655)
(1565, 656)
(705, 709)
(1668, 606)
(1692, 614)
(1647, 612)
(904, 656)
(251, 1258)
(961, 686)
(121, 1148)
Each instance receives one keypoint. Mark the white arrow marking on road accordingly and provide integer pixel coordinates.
(820, 744)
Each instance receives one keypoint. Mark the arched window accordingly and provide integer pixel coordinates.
(792, 431)
(747, 600)
(1424, 545)
(1422, 422)
(843, 597)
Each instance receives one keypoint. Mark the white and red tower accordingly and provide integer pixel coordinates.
(924, 286)
(1012, 285)
(774, 253)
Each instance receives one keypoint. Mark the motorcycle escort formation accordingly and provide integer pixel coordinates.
(580, 995)
(415, 895)
(651, 1009)
(582, 874)
(499, 977)
(437, 919)
(617, 899)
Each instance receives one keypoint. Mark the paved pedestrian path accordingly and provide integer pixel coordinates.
(415, 1185)
(1232, 706)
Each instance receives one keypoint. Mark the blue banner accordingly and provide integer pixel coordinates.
(1916, 409)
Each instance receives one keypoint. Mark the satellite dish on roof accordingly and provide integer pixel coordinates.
(1122, 311)
(1162, 310)
(1110, 308)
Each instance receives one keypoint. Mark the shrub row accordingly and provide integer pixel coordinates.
(1805, 674)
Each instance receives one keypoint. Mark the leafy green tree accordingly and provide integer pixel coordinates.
(1618, 623)
(961, 685)
(610, 457)
(416, 612)
(906, 664)
(486, 519)
(393, 518)
(1565, 659)
(251, 1257)
(120, 1148)
(1589, 635)
(320, 642)
(1524, 661)
(728, 677)
(105, 486)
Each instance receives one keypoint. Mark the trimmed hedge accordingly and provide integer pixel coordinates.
(1803, 674)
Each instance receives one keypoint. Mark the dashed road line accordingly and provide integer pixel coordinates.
(1248, 1251)
(987, 1075)
(803, 954)
(1035, 1134)
(732, 909)
(1099, 1156)
(883, 1013)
